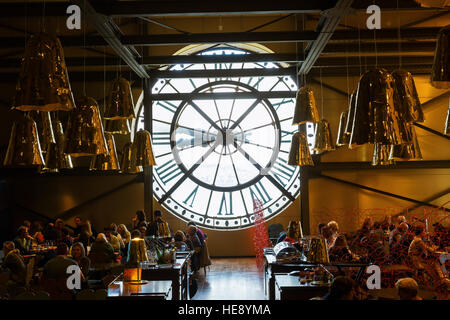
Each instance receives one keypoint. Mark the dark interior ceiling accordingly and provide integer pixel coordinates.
(313, 36)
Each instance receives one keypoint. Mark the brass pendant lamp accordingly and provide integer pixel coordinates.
(120, 101)
(376, 118)
(305, 107)
(323, 140)
(84, 133)
(143, 148)
(447, 121)
(43, 81)
(381, 155)
(64, 160)
(128, 160)
(44, 126)
(440, 73)
(299, 154)
(409, 108)
(120, 126)
(343, 136)
(405, 152)
(106, 162)
(24, 149)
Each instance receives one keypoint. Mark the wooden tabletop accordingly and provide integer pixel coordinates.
(120, 288)
(287, 281)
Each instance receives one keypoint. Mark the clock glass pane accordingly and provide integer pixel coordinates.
(217, 154)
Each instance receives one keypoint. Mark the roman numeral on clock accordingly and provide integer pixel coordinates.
(226, 205)
(282, 171)
(257, 191)
(168, 171)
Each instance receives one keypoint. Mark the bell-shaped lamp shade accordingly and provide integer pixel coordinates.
(410, 109)
(65, 161)
(45, 130)
(376, 118)
(24, 149)
(43, 80)
(120, 126)
(405, 152)
(144, 150)
(299, 154)
(137, 252)
(447, 121)
(52, 160)
(381, 155)
(343, 137)
(323, 140)
(318, 251)
(128, 160)
(305, 107)
(84, 133)
(440, 73)
(106, 162)
(120, 101)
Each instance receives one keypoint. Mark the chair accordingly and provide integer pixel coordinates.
(274, 231)
(30, 271)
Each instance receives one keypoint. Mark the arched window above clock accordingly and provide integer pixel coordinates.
(221, 142)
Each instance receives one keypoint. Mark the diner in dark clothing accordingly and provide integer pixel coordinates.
(13, 264)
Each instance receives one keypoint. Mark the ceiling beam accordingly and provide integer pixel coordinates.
(327, 26)
(234, 37)
(195, 8)
(369, 47)
(108, 31)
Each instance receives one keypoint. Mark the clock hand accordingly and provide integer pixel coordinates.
(250, 109)
(204, 115)
(261, 170)
(246, 141)
(265, 125)
(190, 171)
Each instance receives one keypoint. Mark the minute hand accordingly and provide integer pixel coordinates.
(250, 109)
(189, 172)
(261, 170)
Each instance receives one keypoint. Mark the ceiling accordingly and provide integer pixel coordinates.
(310, 36)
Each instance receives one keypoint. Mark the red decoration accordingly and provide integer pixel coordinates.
(260, 235)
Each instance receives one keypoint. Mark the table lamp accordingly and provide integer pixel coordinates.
(137, 253)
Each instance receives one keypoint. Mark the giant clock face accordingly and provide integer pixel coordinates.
(217, 157)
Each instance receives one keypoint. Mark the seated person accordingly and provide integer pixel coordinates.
(66, 238)
(340, 252)
(23, 240)
(196, 246)
(407, 289)
(78, 254)
(14, 264)
(159, 228)
(201, 235)
(423, 256)
(54, 276)
(102, 253)
(180, 241)
(112, 239)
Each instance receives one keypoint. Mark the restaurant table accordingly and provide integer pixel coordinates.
(178, 273)
(391, 294)
(290, 288)
(150, 290)
(272, 266)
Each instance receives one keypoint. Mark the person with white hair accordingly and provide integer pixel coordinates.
(334, 228)
(102, 252)
(407, 289)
